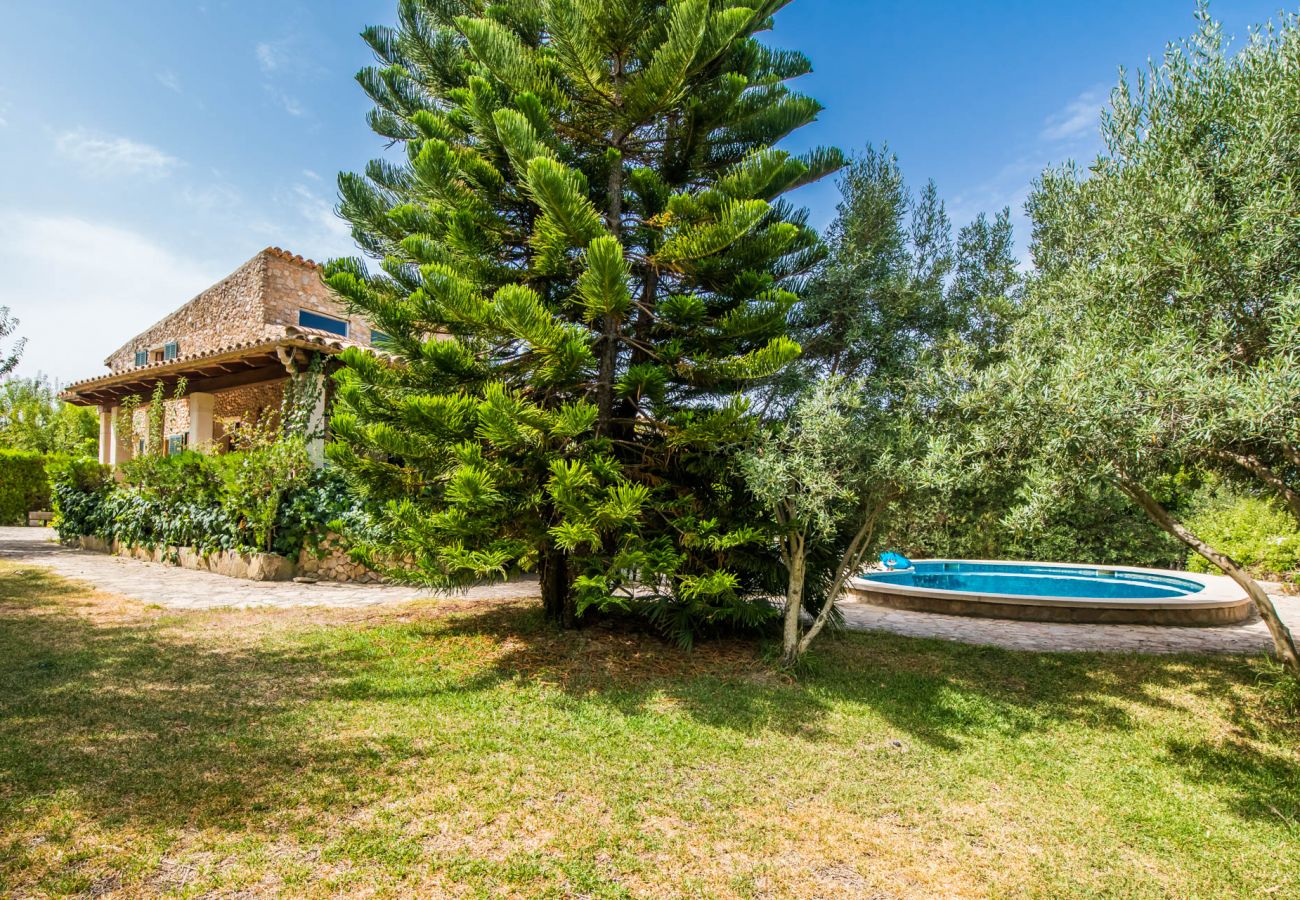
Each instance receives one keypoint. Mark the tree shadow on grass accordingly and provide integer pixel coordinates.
(151, 719)
(938, 692)
(145, 724)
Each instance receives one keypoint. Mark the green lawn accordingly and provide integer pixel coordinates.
(448, 748)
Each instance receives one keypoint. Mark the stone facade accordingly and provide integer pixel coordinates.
(247, 404)
(252, 304)
(230, 351)
(291, 286)
(176, 420)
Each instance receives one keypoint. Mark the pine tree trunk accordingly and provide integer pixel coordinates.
(557, 589)
(1283, 642)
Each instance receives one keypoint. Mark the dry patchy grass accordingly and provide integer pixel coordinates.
(466, 749)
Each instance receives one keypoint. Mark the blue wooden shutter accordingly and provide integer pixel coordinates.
(171, 350)
(141, 357)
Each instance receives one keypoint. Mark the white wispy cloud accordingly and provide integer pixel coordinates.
(323, 232)
(286, 102)
(169, 80)
(105, 155)
(1076, 118)
(82, 287)
(270, 55)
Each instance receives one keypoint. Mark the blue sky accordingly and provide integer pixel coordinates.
(149, 147)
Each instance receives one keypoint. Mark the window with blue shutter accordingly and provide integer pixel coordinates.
(322, 322)
(141, 357)
(176, 443)
(378, 338)
(171, 350)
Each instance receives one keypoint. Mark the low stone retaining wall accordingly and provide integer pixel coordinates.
(328, 560)
(253, 566)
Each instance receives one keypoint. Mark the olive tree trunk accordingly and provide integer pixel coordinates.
(795, 553)
(1283, 642)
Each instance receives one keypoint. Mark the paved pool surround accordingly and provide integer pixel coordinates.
(1219, 601)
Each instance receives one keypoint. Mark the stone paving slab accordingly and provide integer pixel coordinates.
(177, 588)
(1247, 637)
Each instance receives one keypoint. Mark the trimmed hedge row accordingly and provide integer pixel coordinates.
(24, 486)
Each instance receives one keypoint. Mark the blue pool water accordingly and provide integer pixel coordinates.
(1028, 579)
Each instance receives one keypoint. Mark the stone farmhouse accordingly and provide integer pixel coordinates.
(235, 345)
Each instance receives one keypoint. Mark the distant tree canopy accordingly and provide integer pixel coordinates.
(33, 418)
(584, 265)
(9, 360)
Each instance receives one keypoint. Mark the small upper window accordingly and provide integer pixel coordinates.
(379, 339)
(322, 322)
(171, 350)
(141, 357)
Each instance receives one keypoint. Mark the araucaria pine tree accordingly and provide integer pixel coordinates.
(584, 265)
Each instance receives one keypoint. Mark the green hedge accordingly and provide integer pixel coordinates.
(24, 486)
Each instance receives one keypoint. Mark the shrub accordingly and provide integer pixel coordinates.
(267, 497)
(79, 487)
(1086, 523)
(1253, 531)
(255, 482)
(186, 476)
(23, 485)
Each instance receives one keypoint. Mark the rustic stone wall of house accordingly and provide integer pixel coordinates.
(253, 303)
(176, 419)
(239, 404)
(292, 285)
(228, 312)
(243, 403)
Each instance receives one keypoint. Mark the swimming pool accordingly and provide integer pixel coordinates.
(1057, 592)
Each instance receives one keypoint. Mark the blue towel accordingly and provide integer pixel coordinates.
(894, 561)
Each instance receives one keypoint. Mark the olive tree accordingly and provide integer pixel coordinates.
(1162, 327)
(829, 474)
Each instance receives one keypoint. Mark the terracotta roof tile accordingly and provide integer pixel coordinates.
(292, 257)
(290, 334)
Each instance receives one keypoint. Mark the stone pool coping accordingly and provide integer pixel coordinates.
(1220, 601)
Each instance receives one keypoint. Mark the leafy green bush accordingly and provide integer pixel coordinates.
(23, 485)
(267, 497)
(256, 481)
(1024, 518)
(78, 487)
(1254, 531)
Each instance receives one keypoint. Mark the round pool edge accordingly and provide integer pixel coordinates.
(1220, 601)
